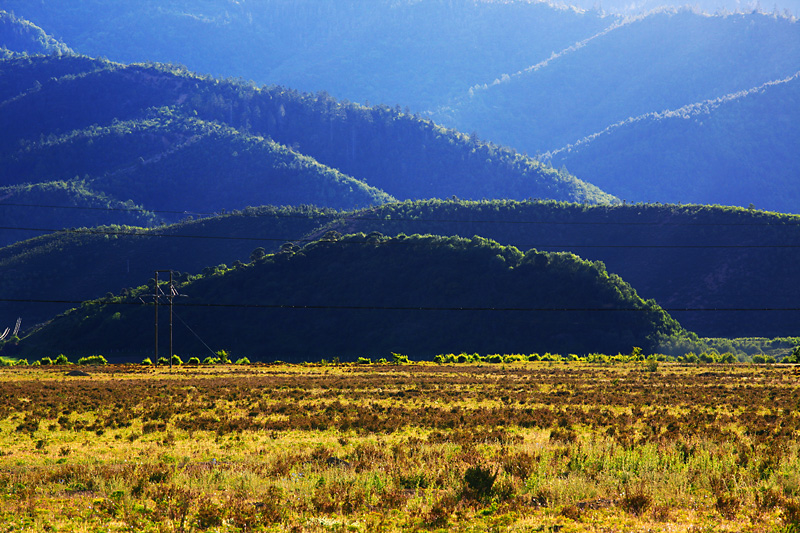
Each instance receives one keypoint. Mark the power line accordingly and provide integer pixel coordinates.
(406, 308)
(354, 215)
(149, 233)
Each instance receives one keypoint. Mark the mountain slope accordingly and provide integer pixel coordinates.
(736, 150)
(46, 275)
(383, 51)
(720, 262)
(721, 272)
(135, 132)
(419, 295)
(661, 61)
(23, 37)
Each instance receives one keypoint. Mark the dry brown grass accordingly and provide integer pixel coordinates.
(527, 447)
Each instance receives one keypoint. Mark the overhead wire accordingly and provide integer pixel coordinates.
(150, 233)
(395, 308)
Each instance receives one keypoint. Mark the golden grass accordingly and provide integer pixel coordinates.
(557, 447)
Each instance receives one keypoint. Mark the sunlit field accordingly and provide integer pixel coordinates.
(492, 447)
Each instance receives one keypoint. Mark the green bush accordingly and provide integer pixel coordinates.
(364, 361)
(162, 361)
(45, 361)
(223, 357)
(210, 360)
(193, 361)
(61, 360)
(146, 361)
(399, 359)
(759, 359)
(93, 360)
(243, 361)
(176, 360)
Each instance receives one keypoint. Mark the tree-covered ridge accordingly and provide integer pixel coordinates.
(209, 166)
(684, 257)
(664, 60)
(137, 132)
(20, 36)
(56, 269)
(694, 257)
(27, 211)
(370, 295)
(383, 51)
(734, 150)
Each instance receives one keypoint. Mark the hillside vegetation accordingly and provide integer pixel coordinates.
(363, 295)
(169, 140)
(720, 262)
(19, 36)
(680, 155)
(47, 275)
(412, 53)
(731, 267)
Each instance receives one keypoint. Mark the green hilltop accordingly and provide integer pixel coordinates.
(731, 269)
(369, 295)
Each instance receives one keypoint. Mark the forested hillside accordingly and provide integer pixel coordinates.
(365, 295)
(169, 140)
(730, 268)
(23, 37)
(531, 76)
(45, 276)
(734, 268)
(735, 150)
(649, 64)
(412, 53)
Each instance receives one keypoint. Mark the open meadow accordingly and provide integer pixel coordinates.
(517, 447)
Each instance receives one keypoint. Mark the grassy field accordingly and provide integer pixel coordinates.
(519, 447)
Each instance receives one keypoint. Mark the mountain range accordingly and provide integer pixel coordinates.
(536, 77)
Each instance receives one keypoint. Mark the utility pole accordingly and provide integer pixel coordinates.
(171, 297)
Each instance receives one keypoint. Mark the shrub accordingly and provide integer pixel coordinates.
(61, 360)
(759, 359)
(399, 359)
(210, 360)
(176, 360)
(93, 360)
(223, 357)
(243, 361)
(364, 361)
(146, 361)
(193, 361)
(162, 361)
(478, 482)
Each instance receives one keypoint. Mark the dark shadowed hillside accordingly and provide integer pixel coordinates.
(45, 276)
(360, 295)
(699, 258)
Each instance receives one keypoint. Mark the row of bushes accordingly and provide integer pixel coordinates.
(177, 361)
(636, 356)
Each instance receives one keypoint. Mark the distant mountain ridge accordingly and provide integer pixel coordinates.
(133, 133)
(19, 36)
(738, 149)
